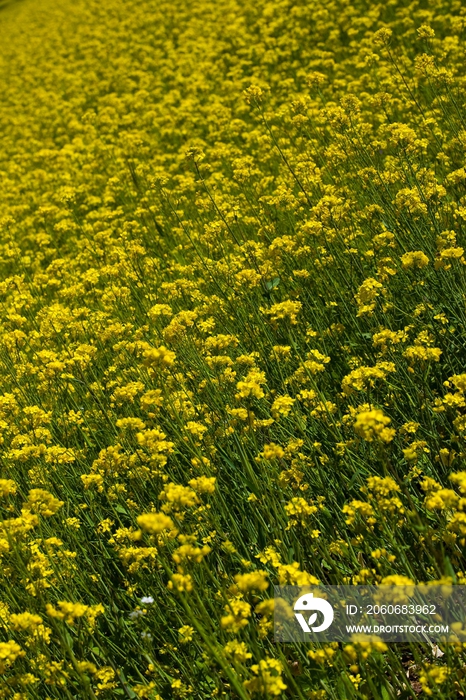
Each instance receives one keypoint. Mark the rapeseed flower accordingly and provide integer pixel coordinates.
(232, 272)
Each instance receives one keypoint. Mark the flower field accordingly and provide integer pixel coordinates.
(232, 340)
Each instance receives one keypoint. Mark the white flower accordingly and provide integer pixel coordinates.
(147, 599)
(135, 614)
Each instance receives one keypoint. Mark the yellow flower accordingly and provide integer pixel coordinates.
(285, 310)
(298, 510)
(433, 676)
(187, 552)
(69, 612)
(421, 353)
(25, 621)
(361, 378)
(290, 575)
(272, 451)
(9, 652)
(371, 425)
(367, 295)
(7, 487)
(282, 406)
(415, 258)
(323, 655)
(159, 357)
(178, 496)
(459, 478)
(155, 523)
(268, 679)
(361, 508)
(237, 651)
(251, 385)
(90, 480)
(397, 580)
(254, 581)
(181, 582)
(237, 615)
(42, 502)
(185, 634)
(203, 484)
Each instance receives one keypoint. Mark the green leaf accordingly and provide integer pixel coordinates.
(449, 571)
(272, 284)
(341, 689)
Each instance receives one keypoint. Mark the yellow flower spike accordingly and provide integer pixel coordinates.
(155, 523)
(268, 680)
(7, 487)
(237, 651)
(9, 652)
(159, 357)
(371, 425)
(253, 581)
(42, 502)
(414, 259)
